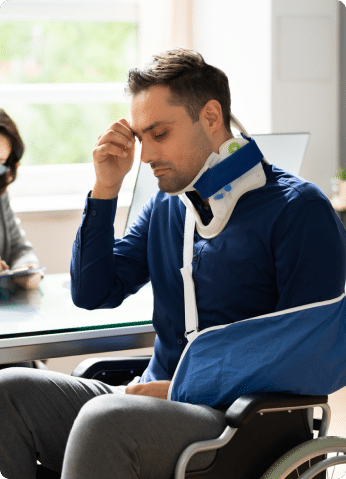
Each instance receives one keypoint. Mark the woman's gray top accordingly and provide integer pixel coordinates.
(14, 249)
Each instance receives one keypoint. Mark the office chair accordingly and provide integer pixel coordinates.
(262, 428)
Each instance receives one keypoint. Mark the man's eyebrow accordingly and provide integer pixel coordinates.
(153, 125)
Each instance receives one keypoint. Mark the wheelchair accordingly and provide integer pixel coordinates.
(268, 435)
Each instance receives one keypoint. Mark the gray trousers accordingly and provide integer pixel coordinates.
(88, 430)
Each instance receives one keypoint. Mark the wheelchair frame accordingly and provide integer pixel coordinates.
(244, 408)
(238, 414)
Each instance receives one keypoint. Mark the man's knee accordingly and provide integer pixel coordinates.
(115, 412)
(100, 410)
(16, 382)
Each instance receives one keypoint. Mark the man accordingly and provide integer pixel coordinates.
(282, 247)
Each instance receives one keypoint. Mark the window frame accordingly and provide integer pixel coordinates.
(37, 187)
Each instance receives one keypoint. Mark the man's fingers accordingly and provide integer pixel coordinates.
(121, 126)
(125, 123)
(117, 139)
(128, 128)
(109, 149)
(118, 133)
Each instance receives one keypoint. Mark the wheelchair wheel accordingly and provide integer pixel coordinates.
(324, 457)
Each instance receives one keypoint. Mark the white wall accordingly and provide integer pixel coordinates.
(281, 58)
(305, 81)
(52, 233)
(235, 36)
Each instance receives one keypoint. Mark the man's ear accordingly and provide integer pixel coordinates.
(211, 115)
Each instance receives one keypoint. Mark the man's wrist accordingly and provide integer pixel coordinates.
(100, 192)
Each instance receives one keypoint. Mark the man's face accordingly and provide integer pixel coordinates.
(174, 146)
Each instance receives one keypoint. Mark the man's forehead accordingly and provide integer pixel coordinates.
(156, 96)
(149, 109)
(152, 96)
(143, 116)
(143, 112)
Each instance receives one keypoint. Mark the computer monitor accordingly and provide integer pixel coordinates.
(285, 150)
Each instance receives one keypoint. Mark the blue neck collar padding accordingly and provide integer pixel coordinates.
(228, 170)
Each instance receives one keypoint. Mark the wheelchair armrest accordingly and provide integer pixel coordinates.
(93, 368)
(245, 407)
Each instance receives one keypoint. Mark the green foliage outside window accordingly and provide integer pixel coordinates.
(62, 133)
(341, 174)
(65, 52)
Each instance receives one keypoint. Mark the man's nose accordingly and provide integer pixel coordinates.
(148, 154)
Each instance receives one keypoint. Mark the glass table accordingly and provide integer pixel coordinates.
(44, 323)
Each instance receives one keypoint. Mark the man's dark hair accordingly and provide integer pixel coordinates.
(191, 80)
(9, 129)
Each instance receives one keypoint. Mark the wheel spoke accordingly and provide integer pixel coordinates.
(329, 452)
(333, 468)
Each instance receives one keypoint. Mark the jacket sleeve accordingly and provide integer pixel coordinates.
(19, 251)
(105, 270)
(309, 252)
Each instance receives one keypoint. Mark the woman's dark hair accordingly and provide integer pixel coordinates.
(9, 129)
(192, 82)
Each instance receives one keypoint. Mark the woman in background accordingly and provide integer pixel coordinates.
(15, 251)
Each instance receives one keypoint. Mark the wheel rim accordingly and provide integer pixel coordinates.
(295, 462)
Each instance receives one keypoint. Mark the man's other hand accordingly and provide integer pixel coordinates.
(155, 389)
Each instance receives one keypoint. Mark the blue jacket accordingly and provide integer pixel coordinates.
(284, 246)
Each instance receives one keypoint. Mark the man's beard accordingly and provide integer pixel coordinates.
(173, 184)
(202, 149)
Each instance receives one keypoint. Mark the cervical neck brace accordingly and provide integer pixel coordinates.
(224, 178)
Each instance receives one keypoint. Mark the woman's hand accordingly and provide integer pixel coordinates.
(3, 265)
(28, 281)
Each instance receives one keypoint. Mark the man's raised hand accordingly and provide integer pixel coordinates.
(113, 158)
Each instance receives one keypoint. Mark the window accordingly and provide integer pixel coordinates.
(63, 78)
(63, 65)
